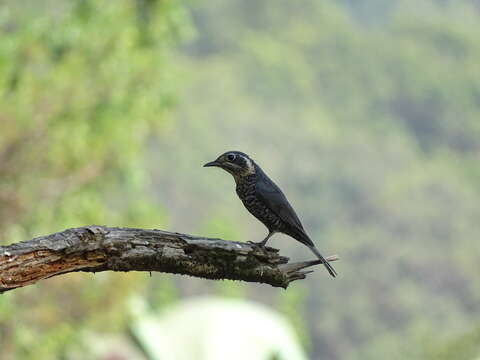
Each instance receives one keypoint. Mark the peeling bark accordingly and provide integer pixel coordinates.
(100, 248)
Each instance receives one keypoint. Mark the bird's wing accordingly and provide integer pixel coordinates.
(273, 197)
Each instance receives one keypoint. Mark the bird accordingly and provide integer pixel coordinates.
(264, 200)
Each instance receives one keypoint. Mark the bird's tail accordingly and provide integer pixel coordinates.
(329, 267)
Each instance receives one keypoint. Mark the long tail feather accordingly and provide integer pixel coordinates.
(329, 267)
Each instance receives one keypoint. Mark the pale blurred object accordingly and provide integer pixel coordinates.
(212, 328)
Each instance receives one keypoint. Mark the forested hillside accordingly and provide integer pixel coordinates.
(369, 119)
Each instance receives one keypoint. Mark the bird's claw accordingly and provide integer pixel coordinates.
(256, 243)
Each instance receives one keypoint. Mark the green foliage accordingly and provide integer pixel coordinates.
(82, 90)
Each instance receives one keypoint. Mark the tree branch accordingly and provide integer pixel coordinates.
(100, 248)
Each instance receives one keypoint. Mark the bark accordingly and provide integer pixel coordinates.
(100, 248)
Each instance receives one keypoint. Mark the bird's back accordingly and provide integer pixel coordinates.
(273, 197)
(264, 200)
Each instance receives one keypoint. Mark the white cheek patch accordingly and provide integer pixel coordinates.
(250, 168)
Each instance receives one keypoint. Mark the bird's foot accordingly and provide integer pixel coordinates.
(257, 243)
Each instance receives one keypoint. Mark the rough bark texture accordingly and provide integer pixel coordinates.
(100, 248)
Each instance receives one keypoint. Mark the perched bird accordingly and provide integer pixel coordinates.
(264, 200)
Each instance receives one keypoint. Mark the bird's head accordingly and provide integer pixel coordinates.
(236, 163)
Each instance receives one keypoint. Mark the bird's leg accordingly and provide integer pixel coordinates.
(264, 241)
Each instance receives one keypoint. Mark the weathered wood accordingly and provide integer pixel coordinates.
(100, 248)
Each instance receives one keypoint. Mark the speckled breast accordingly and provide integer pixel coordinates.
(247, 193)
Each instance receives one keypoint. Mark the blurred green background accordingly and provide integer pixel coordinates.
(366, 112)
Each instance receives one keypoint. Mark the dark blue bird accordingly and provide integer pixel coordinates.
(264, 200)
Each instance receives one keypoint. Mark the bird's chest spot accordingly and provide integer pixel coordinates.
(247, 193)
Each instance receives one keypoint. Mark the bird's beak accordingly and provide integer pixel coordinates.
(212, 163)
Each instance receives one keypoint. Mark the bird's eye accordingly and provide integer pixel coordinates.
(231, 157)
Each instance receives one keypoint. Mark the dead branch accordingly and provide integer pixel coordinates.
(100, 248)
